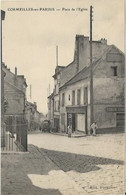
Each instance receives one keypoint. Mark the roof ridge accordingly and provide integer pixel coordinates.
(13, 86)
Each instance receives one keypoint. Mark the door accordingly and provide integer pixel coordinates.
(71, 120)
(81, 126)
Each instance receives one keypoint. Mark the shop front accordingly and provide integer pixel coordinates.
(77, 116)
(120, 115)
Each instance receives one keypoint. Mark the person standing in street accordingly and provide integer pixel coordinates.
(94, 128)
(69, 130)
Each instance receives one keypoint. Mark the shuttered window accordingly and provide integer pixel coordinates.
(73, 97)
(78, 97)
(85, 95)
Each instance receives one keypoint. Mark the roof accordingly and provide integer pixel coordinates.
(18, 76)
(84, 73)
(50, 96)
(58, 69)
(13, 86)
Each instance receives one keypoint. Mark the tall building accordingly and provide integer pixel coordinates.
(74, 87)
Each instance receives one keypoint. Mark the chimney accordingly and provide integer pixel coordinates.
(15, 71)
(81, 52)
(103, 41)
(15, 75)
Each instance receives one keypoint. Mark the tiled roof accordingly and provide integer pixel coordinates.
(83, 74)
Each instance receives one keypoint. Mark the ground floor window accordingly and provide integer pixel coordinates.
(120, 119)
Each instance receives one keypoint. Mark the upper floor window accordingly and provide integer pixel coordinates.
(69, 97)
(58, 105)
(114, 70)
(73, 97)
(85, 95)
(55, 88)
(63, 99)
(54, 105)
(78, 96)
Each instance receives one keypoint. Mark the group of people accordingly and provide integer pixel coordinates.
(93, 128)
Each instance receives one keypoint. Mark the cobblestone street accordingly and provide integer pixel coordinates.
(62, 165)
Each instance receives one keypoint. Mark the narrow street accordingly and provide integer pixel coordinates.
(61, 165)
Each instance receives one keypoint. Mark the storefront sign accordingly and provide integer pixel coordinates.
(80, 109)
(115, 109)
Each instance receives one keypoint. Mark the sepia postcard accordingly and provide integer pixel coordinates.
(62, 97)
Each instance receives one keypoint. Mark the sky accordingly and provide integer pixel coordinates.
(30, 37)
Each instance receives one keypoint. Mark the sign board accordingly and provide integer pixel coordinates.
(115, 109)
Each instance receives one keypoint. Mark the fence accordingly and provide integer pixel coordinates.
(15, 134)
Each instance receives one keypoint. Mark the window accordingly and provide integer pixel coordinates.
(114, 70)
(55, 88)
(63, 99)
(78, 96)
(54, 105)
(58, 105)
(73, 97)
(85, 95)
(69, 97)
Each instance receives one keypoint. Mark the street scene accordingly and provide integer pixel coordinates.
(62, 98)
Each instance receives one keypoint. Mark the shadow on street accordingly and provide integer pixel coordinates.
(80, 163)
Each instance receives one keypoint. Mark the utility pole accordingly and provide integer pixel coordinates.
(56, 55)
(91, 70)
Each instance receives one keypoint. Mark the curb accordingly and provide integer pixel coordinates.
(74, 136)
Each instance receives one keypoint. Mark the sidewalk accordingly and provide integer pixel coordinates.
(34, 173)
(76, 134)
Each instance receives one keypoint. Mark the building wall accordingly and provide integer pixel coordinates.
(108, 91)
(68, 73)
(68, 100)
(14, 92)
(15, 99)
(16, 80)
(82, 56)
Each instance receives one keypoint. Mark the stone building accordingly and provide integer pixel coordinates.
(50, 115)
(108, 77)
(33, 117)
(74, 85)
(14, 96)
(14, 112)
(14, 92)
(56, 99)
(82, 56)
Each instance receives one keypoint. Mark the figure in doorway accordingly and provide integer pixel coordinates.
(69, 130)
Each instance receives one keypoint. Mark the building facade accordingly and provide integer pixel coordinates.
(14, 105)
(55, 98)
(108, 90)
(74, 87)
(14, 92)
(33, 116)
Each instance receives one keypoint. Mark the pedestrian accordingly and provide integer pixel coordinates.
(69, 130)
(94, 128)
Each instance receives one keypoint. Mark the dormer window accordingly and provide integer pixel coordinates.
(114, 70)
